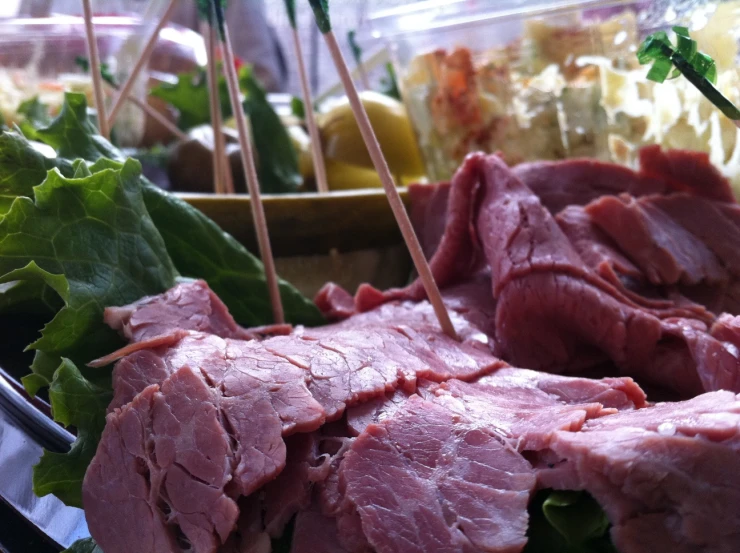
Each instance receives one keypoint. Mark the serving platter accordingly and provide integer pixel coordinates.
(346, 236)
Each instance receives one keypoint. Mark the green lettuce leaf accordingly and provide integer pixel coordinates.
(77, 402)
(567, 522)
(200, 249)
(22, 167)
(278, 161)
(35, 115)
(196, 245)
(189, 96)
(87, 545)
(90, 240)
(74, 135)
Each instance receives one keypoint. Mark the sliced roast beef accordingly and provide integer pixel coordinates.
(428, 480)
(445, 473)
(667, 476)
(665, 251)
(603, 256)
(558, 313)
(267, 389)
(684, 171)
(428, 213)
(376, 410)
(560, 184)
(290, 492)
(161, 471)
(187, 306)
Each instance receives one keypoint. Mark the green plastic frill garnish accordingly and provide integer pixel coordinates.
(684, 58)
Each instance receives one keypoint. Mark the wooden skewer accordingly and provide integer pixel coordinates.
(313, 130)
(220, 136)
(258, 211)
(220, 139)
(214, 101)
(139, 65)
(97, 79)
(381, 166)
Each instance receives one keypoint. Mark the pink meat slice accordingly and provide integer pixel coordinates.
(665, 251)
(445, 472)
(428, 213)
(666, 476)
(684, 171)
(560, 184)
(282, 385)
(187, 306)
(162, 467)
(263, 396)
(427, 480)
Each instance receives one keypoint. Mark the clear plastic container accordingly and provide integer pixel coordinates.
(551, 80)
(38, 59)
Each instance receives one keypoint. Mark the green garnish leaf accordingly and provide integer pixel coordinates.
(47, 240)
(297, 107)
(22, 167)
(73, 134)
(575, 515)
(356, 50)
(290, 9)
(105, 72)
(567, 522)
(697, 67)
(321, 14)
(200, 249)
(61, 474)
(86, 545)
(390, 82)
(278, 161)
(190, 97)
(35, 115)
(75, 401)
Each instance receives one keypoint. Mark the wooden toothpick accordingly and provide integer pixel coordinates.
(321, 13)
(97, 79)
(139, 65)
(258, 212)
(214, 99)
(313, 130)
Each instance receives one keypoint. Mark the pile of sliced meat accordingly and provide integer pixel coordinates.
(378, 433)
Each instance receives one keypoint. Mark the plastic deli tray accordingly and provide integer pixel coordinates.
(537, 79)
